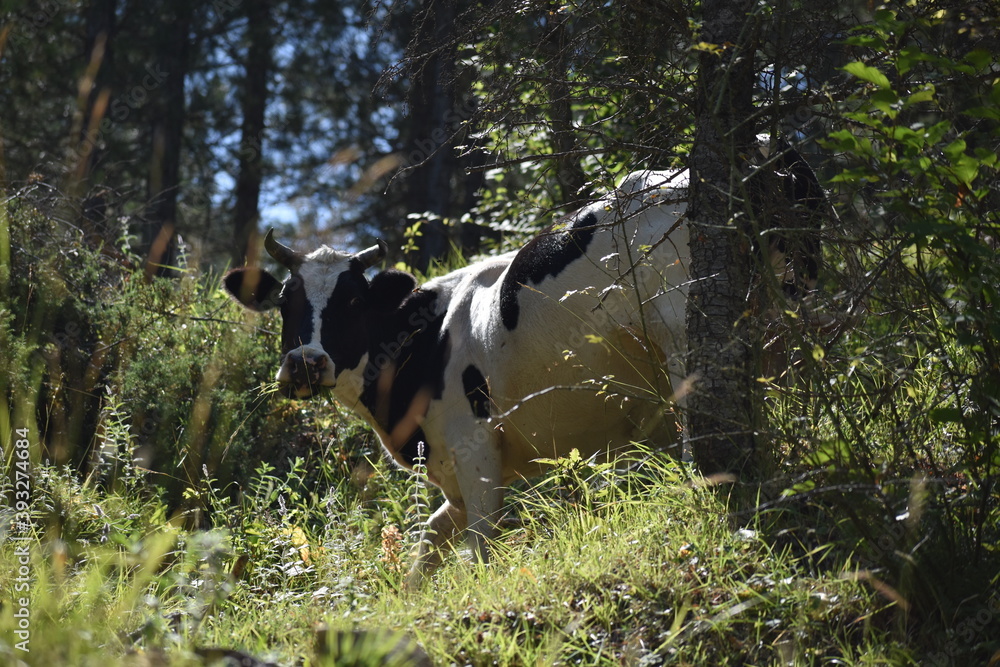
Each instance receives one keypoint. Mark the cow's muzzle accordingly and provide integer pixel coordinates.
(303, 372)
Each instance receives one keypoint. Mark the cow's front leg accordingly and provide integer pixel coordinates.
(479, 472)
(440, 528)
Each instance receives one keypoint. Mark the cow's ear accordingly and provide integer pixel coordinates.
(389, 288)
(254, 288)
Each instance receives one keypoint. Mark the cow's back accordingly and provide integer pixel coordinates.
(585, 320)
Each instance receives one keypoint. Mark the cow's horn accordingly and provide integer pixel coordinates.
(373, 255)
(282, 254)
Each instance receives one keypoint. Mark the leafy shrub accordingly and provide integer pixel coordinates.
(58, 276)
(897, 427)
(112, 370)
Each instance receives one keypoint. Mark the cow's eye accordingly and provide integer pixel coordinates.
(354, 302)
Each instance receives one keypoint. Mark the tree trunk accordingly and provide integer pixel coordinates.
(432, 123)
(160, 231)
(246, 212)
(569, 173)
(99, 53)
(719, 405)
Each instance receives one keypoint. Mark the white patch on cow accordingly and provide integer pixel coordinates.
(654, 185)
(319, 274)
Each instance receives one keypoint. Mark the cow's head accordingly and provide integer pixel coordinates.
(328, 307)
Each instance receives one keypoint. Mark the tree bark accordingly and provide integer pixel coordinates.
(432, 124)
(258, 66)
(99, 53)
(160, 232)
(569, 172)
(719, 405)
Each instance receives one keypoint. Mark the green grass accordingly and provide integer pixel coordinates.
(626, 568)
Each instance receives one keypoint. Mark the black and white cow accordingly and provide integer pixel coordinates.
(572, 342)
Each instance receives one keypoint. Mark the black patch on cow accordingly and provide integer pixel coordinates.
(803, 189)
(409, 344)
(389, 289)
(545, 255)
(345, 329)
(477, 391)
(296, 314)
(788, 202)
(356, 306)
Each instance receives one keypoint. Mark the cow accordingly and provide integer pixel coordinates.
(574, 341)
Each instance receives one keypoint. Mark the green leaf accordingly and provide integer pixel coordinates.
(908, 56)
(909, 137)
(854, 175)
(966, 168)
(884, 100)
(866, 73)
(830, 451)
(708, 47)
(883, 16)
(865, 118)
(989, 113)
(925, 94)
(843, 140)
(936, 132)
(945, 415)
(874, 42)
(987, 157)
(979, 58)
(801, 487)
(955, 149)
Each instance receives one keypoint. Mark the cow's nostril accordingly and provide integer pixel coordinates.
(305, 371)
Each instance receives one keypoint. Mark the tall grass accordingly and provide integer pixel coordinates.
(637, 564)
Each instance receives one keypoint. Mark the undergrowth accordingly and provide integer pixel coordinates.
(635, 564)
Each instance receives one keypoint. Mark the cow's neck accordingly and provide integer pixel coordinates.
(404, 370)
